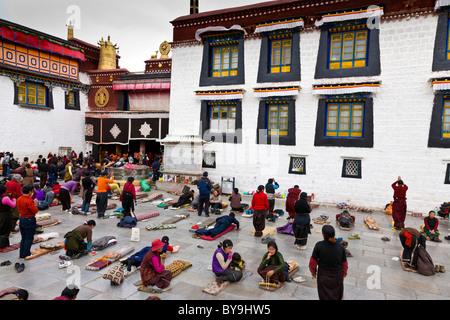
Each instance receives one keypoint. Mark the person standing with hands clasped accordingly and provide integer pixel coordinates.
(27, 223)
(399, 204)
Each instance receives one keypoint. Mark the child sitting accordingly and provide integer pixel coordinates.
(237, 263)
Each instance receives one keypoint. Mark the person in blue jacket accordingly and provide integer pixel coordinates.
(204, 186)
(221, 224)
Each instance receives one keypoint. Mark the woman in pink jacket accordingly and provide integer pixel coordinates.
(152, 270)
(6, 205)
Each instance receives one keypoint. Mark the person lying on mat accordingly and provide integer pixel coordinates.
(153, 273)
(75, 244)
(272, 266)
(222, 223)
(185, 198)
(221, 263)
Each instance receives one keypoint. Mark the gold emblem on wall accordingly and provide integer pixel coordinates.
(101, 97)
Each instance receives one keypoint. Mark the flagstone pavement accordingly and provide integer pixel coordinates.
(374, 271)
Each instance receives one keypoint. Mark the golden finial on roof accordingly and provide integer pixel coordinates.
(108, 52)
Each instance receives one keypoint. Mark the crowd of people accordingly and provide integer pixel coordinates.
(31, 185)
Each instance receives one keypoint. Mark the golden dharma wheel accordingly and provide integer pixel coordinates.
(165, 48)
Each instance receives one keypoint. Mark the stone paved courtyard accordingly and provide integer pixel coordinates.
(373, 260)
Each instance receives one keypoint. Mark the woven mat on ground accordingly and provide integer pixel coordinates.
(37, 239)
(44, 249)
(209, 238)
(98, 264)
(214, 288)
(371, 223)
(180, 207)
(205, 224)
(175, 267)
(147, 216)
(44, 216)
(160, 226)
(268, 230)
(48, 223)
(8, 291)
(176, 218)
(141, 195)
(110, 206)
(125, 251)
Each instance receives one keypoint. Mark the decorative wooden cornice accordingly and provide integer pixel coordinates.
(310, 10)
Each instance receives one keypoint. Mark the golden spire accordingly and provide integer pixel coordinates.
(69, 30)
(108, 54)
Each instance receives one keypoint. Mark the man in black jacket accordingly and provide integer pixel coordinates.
(43, 172)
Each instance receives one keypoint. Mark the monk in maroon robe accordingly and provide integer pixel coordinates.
(399, 204)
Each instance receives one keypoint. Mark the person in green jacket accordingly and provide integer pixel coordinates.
(74, 244)
(272, 266)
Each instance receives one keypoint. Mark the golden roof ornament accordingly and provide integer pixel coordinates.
(107, 60)
(164, 48)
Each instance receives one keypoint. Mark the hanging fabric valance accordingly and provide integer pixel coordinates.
(41, 42)
(347, 89)
(220, 95)
(278, 25)
(217, 29)
(439, 85)
(353, 15)
(276, 92)
(441, 3)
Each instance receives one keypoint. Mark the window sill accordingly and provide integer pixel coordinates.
(34, 107)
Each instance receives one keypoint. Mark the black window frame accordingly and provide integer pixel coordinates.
(235, 137)
(440, 62)
(48, 92)
(261, 131)
(206, 78)
(321, 140)
(291, 162)
(373, 67)
(344, 166)
(264, 74)
(76, 99)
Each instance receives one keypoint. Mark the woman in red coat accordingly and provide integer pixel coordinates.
(293, 195)
(260, 205)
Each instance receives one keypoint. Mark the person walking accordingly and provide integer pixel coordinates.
(204, 186)
(128, 197)
(328, 263)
